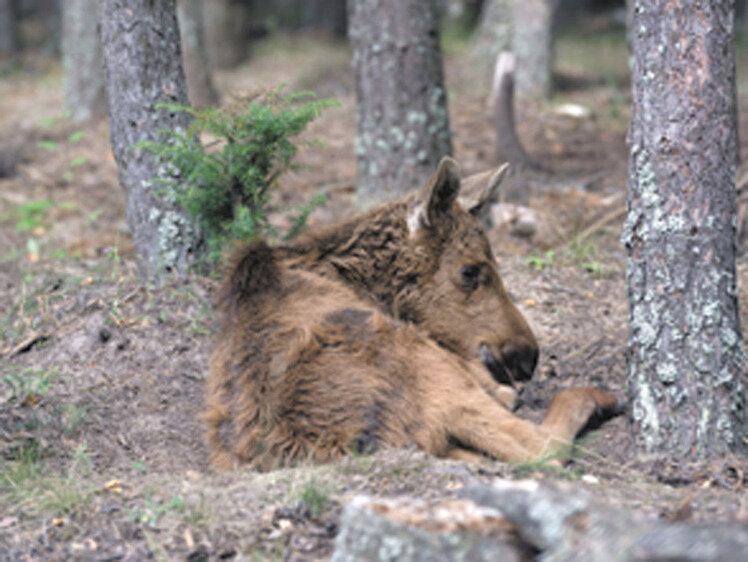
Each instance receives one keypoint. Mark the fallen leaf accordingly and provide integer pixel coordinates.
(530, 302)
(189, 539)
(113, 486)
(684, 511)
(30, 400)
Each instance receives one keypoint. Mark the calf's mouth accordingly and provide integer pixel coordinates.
(515, 364)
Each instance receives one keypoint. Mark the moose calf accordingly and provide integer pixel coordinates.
(387, 330)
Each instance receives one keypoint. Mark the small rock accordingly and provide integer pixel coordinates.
(409, 529)
(590, 479)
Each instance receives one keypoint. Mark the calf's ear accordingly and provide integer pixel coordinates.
(481, 189)
(436, 196)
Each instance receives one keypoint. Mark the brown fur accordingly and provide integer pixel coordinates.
(381, 331)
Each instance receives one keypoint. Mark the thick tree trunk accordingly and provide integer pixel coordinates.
(533, 45)
(85, 96)
(685, 353)
(143, 64)
(401, 103)
(493, 36)
(8, 28)
(192, 27)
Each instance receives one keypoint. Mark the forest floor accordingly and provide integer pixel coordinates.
(101, 378)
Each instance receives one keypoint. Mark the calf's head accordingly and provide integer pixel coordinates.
(462, 302)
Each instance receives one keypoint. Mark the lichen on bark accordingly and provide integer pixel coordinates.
(685, 356)
(143, 67)
(401, 104)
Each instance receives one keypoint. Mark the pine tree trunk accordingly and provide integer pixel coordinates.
(226, 32)
(85, 97)
(493, 36)
(533, 45)
(8, 29)
(143, 64)
(197, 72)
(401, 103)
(685, 352)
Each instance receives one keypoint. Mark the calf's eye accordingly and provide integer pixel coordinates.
(470, 276)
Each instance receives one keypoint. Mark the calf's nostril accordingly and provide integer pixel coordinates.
(521, 361)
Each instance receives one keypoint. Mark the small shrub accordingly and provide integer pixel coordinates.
(225, 183)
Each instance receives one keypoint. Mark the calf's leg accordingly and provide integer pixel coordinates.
(481, 424)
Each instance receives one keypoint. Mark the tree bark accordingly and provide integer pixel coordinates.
(8, 28)
(508, 146)
(493, 36)
(401, 102)
(685, 357)
(143, 64)
(85, 96)
(226, 32)
(200, 87)
(533, 45)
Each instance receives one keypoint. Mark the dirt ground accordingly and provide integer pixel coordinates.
(101, 378)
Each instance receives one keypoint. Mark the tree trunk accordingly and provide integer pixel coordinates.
(143, 64)
(508, 146)
(85, 97)
(533, 45)
(8, 28)
(493, 36)
(685, 346)
(227, 24)
(192, 27)
(401, 103)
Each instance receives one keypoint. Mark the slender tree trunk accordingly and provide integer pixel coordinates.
(192, 26)
(8, 28)
(508, 146)
(226, 32)
(401, 103)
(685, 357)
(493, 36)
(143, 65)
(533, 45)
(85, 96)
